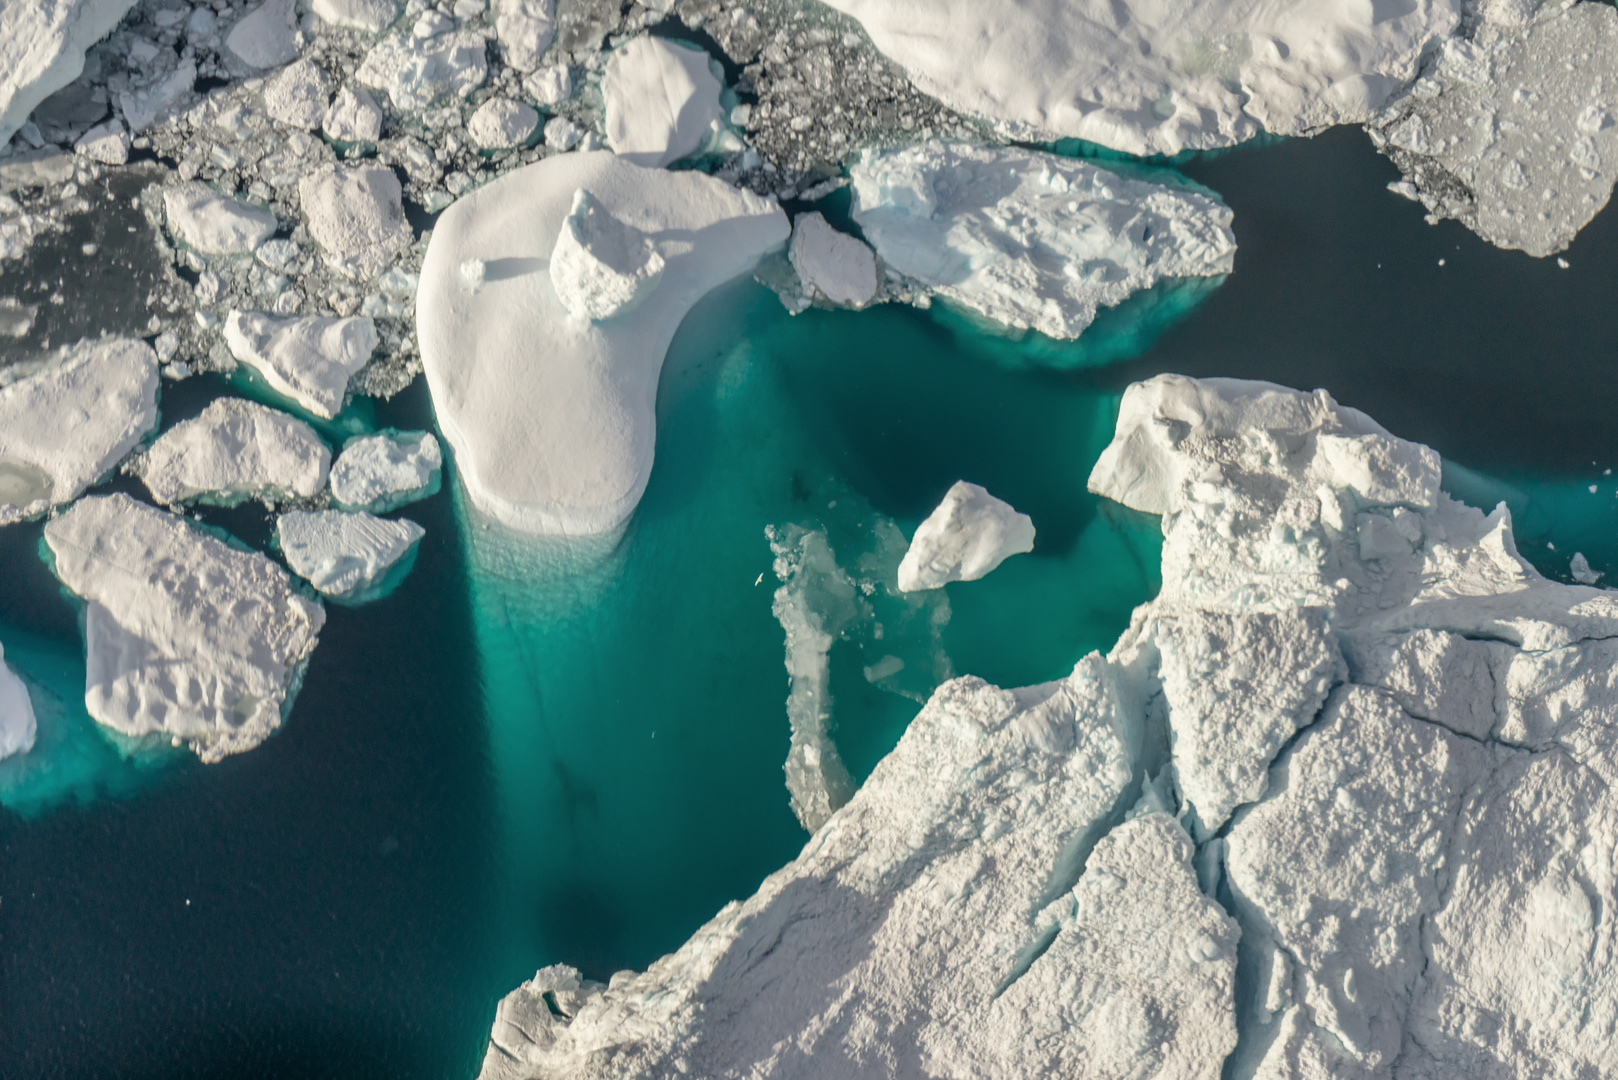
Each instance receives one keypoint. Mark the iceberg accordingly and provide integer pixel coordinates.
(297, 95)
(186, 637)
(310, 360)
(42, 49)
(267, 36)
(551, 416)
(353, 117)
(1029, 239)
(65, 427)
(17, 723)
(371, 16)
(233, 451)
(1148, 77)
(501, 123)
(343, 555)
(378, 473)
(662, 100)
(418, 71)
(356, 215)
(967, 535)
(525, 29)
(601, 266)
(214, 224)
(834, 267)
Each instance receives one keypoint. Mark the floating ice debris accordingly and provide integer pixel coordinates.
(16, 317)
(107, 143)
(356, 215)
(662, 100)
(236, 450)
(343, 555)
(1512, 131)
(214, 224)
(550, 86)
(1031, 239)
(68, 425)
(525, 29)
(185, 636)
(562, 134)
(267, 36)
(833, 266)
(17, 724)
(1579, 567)
(42, 48)
(600, 265)
(416, 72)
(354, 117)
(1148, 79)
(551, 416)
(969, 534)
(297, 95)
(378, 473)
(500, 123)
(373, 16)
(310, 360)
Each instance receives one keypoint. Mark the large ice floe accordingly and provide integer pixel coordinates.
(378, 473)
(1029, 239)
(1158, 76)
(969, 534)
(550, 413)
(18, 726)
(345, 556)
(1356, 748)
(186, 637)
(236, 450)
(42, 49)
(662, 100)
(308, 359)
(1514, 131)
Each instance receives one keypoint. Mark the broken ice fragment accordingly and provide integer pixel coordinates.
(341, 554)
(214, 224)
(378, 473)
(310, 360)
(601, 266)
(236, 450)
(833, 266)
(969, 534)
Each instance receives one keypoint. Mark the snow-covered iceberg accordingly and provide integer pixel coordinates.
(344, 555)
(1030, 239)
(551, 415)
(18, 726)
(967, 535)
(236, 450)
(661, 99)
(42, 48)
(1156, 77)
(356, 214)
(65, 427)
(186, 637)
(310, 360)
(378, 473)
(215, 224)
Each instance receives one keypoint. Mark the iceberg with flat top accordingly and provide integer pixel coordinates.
(215, 224)
(967, 535)
(343, 555)
(17, 723)
(551, 416)
(661, 100)
(309, 359)
(382, 472)
(834, 267)
(233, 451)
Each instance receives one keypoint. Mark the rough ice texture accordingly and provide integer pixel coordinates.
(377, 473)
(356, 215)
(186, 637)
(662, 100)
(215, 224)
(42, 49)
(418, 71)
(525, 29)
(1515, 132)
(601, 266)
(834, 267)
(236, 450)
(1157, 76)
(297, 95)
(373, 16)
(1029, 239)
(107, 143)
(551, 416)
(501, 123)
(267, 36)
(17, 724)
(967, 535)
(343, 554)
(68, 425)
(310, 360)
(353, 117)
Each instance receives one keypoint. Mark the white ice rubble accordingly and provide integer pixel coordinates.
(551, 415)
(215, 224)
(236, 450)
(1029, 239)
(356, 214)
(186, 637)
(1514, 131)
(308, 359)
(834, 267)
(342, 554)
(42, 48)
(418, 71)
(967, 535)
(1388, 746)
(378, 473)
(17, 723)
(69, 424)
(372, 16)
(525, 29)
(662, 100)
(1158, 76)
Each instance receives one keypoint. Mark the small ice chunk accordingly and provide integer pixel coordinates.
(431, 24)
(969, 534)
(17, 726)
(16, 317)
(378, 473)
(550, 86)
(310, 360)
(107, 143)
(601, 266)
(662, 100)
(357, 215)
(354, 117)
(343, 554)
(236, 450)
(525, 29)
(500, 123)
(1579, 567)
(562, 133)
(833, 266)
(267, 37)
(297, 95)
(416, 72)
(373, 16)
(214, 224)
(185, 636)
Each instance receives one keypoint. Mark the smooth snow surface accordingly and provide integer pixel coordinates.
(833, 266)
(65, 427)
(662, 100)
(343, 554)
(378, 473)
(42, 49)
(1158, 76)
(969, 534)
(17, 724)
(1515, 132)
(310, 360)
(213, 223)
(1029, 239)
(236, 450)
(186, 637)
(551, 416)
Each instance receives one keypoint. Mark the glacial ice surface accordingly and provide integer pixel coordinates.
(308, 359)
(966, 536)
(344, 555)
(378, 473)
(236, 450)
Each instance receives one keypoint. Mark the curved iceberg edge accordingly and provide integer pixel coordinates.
(1340, 796)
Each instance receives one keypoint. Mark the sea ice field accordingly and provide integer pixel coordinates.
(558, 539)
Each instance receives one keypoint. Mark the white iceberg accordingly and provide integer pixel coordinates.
(378, 473)
(833, 266)
(601, 266)
(343, 555)
(501, 123)
(267, 36)
(107, 143)
(525, 29)
(356, 214)
(967, 535)
(551, 417)
(297, 95)
(353, 117)
(1155, 77)
(185, 636)
(42, 49)
(17, 724)
(310, 360)
(662, 100)
(1029, 239)
(373, 16)
(68, 425)
(236, 450)
(213, 223)
(418, 71)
